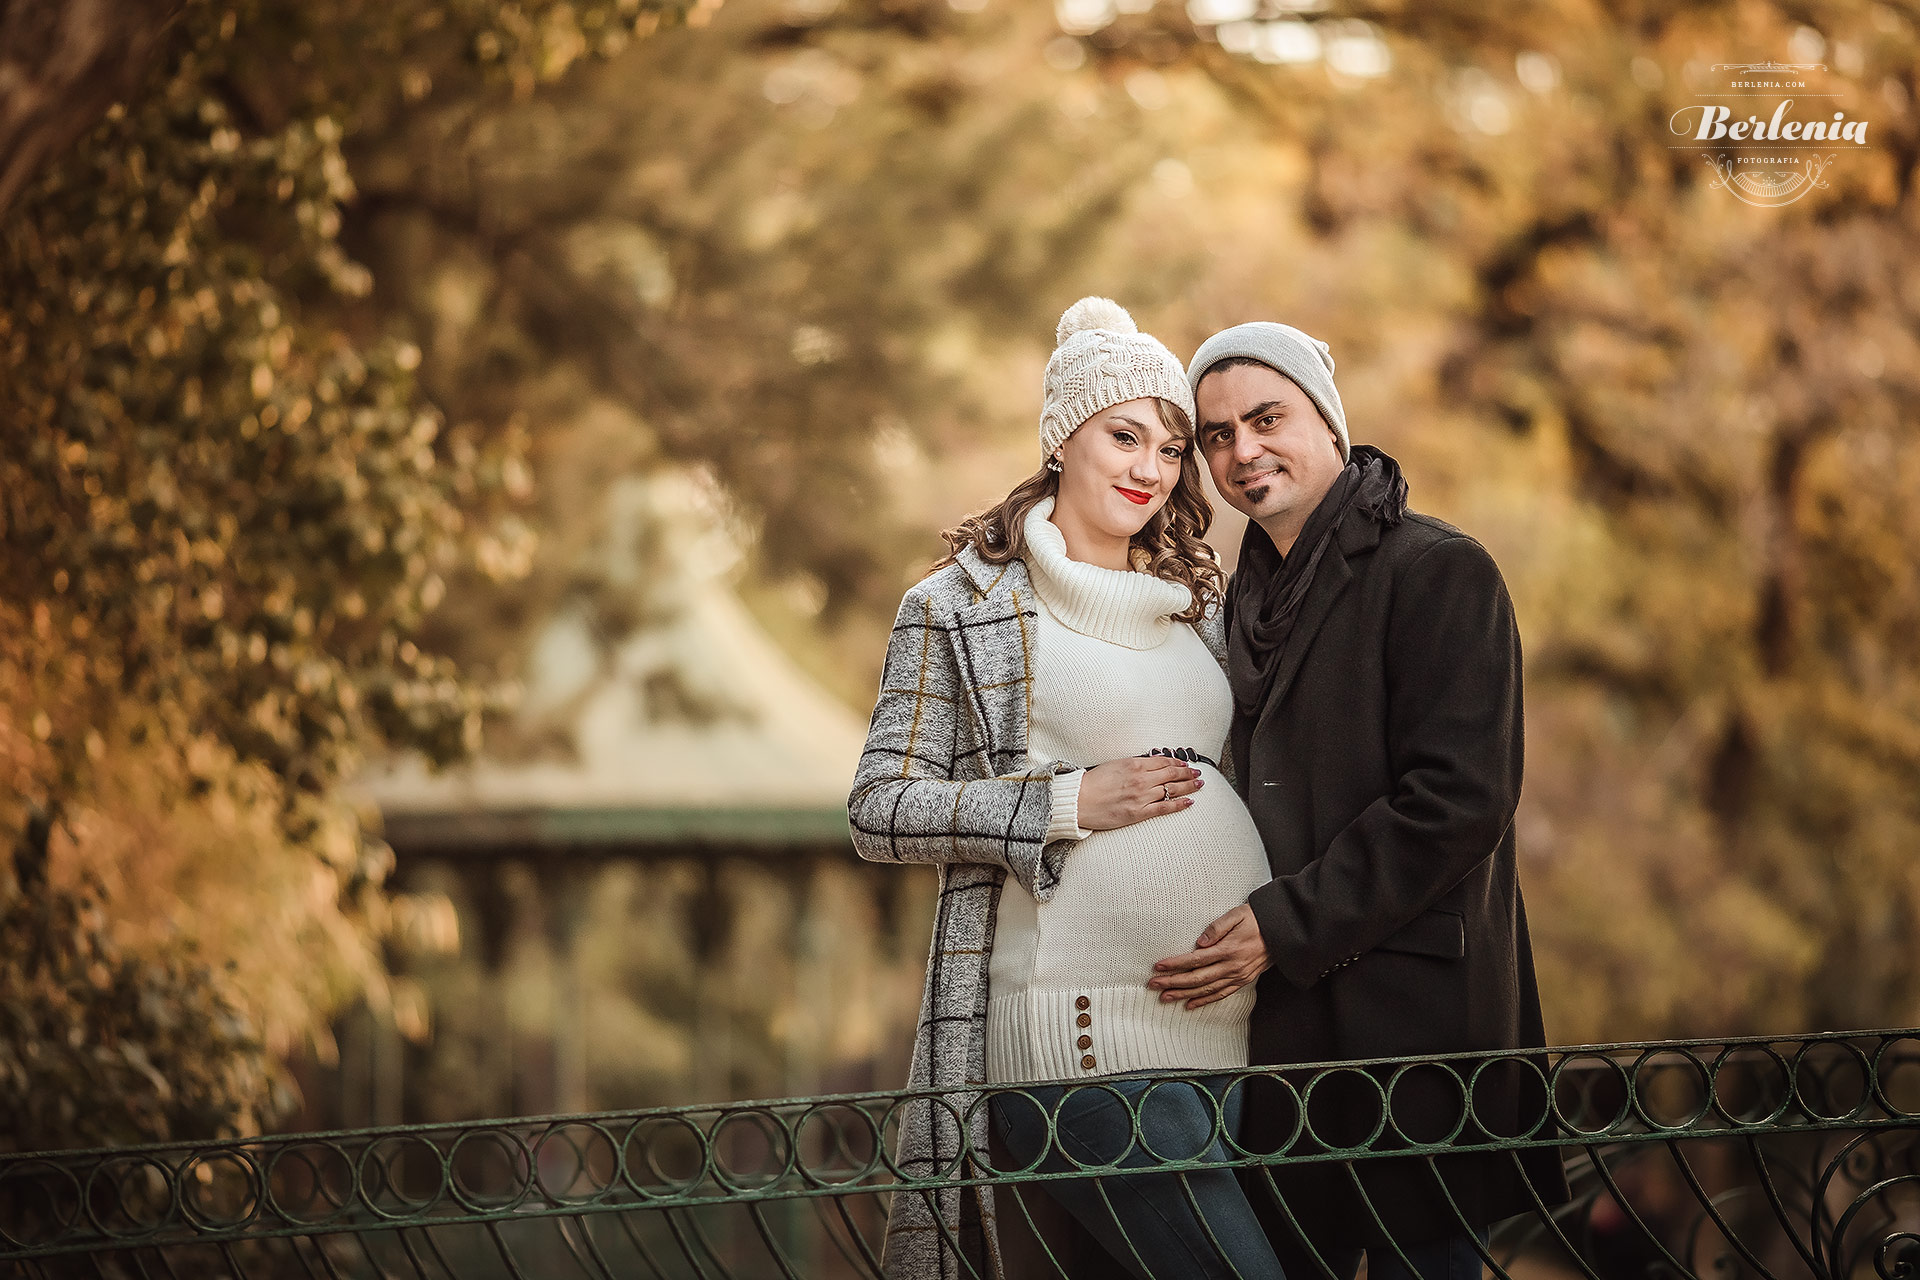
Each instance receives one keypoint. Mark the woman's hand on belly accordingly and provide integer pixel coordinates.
(1122, 792)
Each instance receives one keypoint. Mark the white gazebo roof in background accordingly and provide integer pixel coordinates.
(695, 727)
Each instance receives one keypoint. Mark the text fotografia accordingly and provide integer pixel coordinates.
(1716, 124)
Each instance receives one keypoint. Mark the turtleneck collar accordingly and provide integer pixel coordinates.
(1118, 605)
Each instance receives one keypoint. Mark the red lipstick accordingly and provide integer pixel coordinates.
(1136, 497)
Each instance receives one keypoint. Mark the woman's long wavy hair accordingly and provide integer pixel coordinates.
(1169, 546)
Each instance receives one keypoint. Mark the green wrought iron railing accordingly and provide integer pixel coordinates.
(1788, 1159)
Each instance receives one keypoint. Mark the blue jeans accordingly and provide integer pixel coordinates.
(1161, 1236)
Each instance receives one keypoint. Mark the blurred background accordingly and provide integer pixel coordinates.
(461, 460)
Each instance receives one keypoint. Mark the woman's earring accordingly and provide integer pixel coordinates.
(1053, 464)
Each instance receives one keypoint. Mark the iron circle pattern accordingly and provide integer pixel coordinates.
(1652, 1071)
(1564, 1074)
(1078, 1089)
(1461, 1088)
(984, 1105)
(19, 1183)
(1896, 1076)
(1735, 1055)
(898, 1115)
(743, 1126)
(107, 1178)
(579, 1159)
(296, 1159)
(1333, 1073)
(1841, 1052)
(201, 1175)
(490, 1153)
(852, 1167)
(1216, 1128)
(1246, 1081)
(385, 1162)
(653, 1134)
(1838, 1166)
(1525, 1062)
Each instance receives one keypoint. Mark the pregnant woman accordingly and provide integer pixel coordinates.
(1073, 633)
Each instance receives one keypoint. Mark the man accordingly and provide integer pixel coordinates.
(1375, 667)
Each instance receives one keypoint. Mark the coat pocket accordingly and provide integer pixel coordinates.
(1438, 932)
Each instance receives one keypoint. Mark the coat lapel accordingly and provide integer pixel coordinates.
(1357, 534)
(993, 644)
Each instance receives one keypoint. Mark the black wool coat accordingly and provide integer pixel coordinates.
(1383, 772)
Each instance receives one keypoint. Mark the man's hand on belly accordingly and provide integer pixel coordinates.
(1228, 955)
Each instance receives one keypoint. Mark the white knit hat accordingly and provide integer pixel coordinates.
(1103, 359)
(1290, 352)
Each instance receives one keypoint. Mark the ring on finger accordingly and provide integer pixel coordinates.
(1166, 792)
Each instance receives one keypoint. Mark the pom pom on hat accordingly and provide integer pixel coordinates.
(1114, 362)
(1094, 313)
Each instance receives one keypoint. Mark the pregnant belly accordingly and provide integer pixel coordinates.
(1137, 894)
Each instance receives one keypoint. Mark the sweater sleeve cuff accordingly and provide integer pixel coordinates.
(1064, 822)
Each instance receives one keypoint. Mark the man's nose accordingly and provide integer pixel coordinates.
(1246, 446)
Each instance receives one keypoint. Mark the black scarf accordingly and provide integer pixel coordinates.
(1268, 589)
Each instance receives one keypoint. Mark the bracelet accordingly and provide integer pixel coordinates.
(1181, 753)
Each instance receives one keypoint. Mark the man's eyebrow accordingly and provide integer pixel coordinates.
(1265, 406)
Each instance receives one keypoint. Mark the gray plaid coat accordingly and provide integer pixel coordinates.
(945, 779)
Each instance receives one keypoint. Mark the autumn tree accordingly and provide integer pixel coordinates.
(226, 508)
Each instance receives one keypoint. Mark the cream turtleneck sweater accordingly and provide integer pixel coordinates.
(1116, 676)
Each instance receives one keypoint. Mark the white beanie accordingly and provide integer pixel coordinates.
(1290, 352)
(1103, 359)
